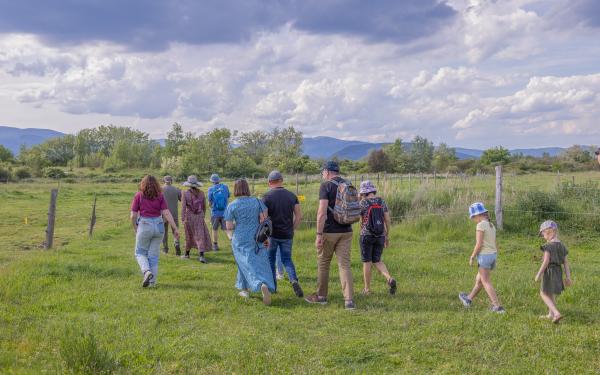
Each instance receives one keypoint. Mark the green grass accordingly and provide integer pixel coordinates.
(80, 308)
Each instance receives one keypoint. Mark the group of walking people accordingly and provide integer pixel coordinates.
(154, 211)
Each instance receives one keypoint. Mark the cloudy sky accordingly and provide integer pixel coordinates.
(471, 73)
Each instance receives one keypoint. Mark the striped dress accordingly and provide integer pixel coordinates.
(193, 207)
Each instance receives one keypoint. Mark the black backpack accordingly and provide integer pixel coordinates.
(264, 231)
(375, 219)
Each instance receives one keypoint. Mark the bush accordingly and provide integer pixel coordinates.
(82, 355)
(22, 173)
(53, 172)
(5, 174)
(531, 209)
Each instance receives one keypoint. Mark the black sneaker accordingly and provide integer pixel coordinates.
(148, 276)
(297, 289)
(177, 248)
(202, 259)
(498, 309)
(393, 286)
(349, 305)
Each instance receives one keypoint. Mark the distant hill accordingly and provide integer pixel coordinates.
(325, 147)
(13, 138)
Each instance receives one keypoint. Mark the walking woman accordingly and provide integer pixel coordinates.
(148, 209)
(242, 218)
(193, 207)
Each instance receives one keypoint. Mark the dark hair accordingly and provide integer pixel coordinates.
(150, 187)
(241, 188)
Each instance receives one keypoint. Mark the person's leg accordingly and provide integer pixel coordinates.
(380, 266)
(550, 301)
(379, 243)
(273, 245)
(285, 250)
(154, 250)
(367, 276)
(279, 264)
(324, 256)
(486, 280)
(165, 240)
(342, 251)
(142, 244)
(476, 288)
(214, 221)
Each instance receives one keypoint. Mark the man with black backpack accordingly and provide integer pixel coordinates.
(374, 235)
(339, 207)
(218, 197)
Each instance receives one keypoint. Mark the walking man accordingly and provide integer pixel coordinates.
(218, 198)
(284, 210)
(332, 238)
(172, 196)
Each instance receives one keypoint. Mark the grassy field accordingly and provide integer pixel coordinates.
(80, 308)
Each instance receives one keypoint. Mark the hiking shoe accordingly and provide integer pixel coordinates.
(498, 309)
(177, 248)
(464, 298)
(215, 246)
(148, 276)
(202, 259)
(393, 286)
(313, 298)
(266, 294)
(297, 289)
(349, 305)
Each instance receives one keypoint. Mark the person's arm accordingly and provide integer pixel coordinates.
(184, 208)
(134, 218)
(297, 216)
(544, 265)
(210, 197)
(388, 227)
(568, 281)
(478, 245)
(167, 216)
(229, 226)
(179, 195)
(321, 218)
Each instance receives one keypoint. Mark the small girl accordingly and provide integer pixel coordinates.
(555, 254)
(485, 251)
(374, 235)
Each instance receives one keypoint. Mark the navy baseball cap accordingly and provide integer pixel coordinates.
(331, 166)
(275, 176)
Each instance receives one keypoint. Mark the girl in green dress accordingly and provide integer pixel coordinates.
(551, 273)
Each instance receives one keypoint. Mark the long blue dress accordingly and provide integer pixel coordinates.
(253, 268)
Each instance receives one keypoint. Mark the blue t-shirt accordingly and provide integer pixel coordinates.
(211, 199)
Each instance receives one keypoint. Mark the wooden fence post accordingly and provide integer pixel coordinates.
(499, 218)
(51, 219)
(93, 218)
(409, 182)
(297, 188)
(253, 177)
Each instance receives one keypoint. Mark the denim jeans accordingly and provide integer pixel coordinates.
(285, 249)
(279, 263)
(149, 235)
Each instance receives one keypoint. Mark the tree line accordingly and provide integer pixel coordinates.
(243, 154)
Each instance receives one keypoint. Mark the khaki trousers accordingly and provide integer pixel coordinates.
(339, 244)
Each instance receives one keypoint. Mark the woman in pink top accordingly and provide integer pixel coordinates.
(148, 209)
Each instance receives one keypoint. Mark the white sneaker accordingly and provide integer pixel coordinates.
(279, 276)
(244, 294)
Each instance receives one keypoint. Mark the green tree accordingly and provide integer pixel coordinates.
(6, 155)
(59, 151)
(421, 155)
(378, 161)
(285, 150)
(176, 138)
(443, 157)
(398, 158)
(495, 156)
(254, 144)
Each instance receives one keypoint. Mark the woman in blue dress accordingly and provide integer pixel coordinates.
(242, 218)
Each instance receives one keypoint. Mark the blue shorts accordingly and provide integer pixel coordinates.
(487, 261)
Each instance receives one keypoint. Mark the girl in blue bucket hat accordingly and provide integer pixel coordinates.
(485, 251)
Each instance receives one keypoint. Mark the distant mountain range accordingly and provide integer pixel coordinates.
(315, 147)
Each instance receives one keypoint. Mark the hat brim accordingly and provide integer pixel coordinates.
(190, 184)
(479, 213)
